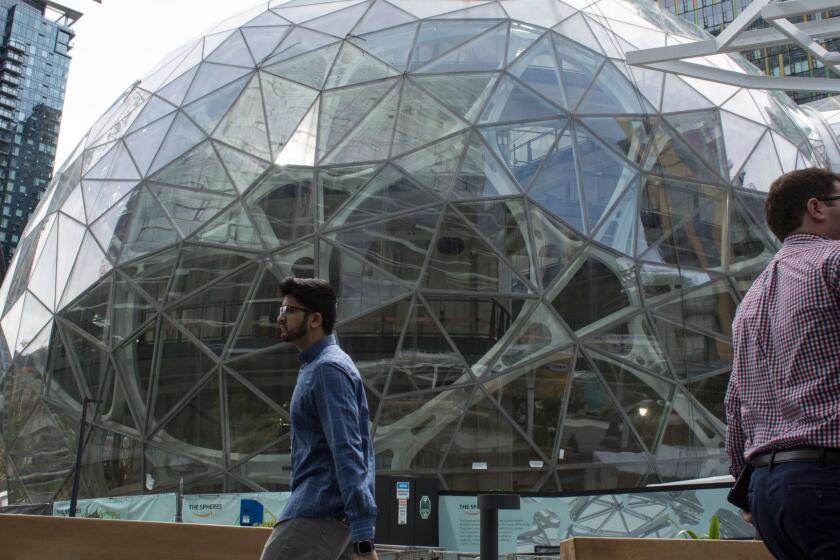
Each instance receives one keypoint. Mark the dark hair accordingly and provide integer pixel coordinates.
(314, 294)
(789, 194)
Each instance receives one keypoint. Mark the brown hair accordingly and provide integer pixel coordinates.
(314, 294)
(789, 194)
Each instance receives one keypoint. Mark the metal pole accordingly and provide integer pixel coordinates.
(74, 496)
(489, 506)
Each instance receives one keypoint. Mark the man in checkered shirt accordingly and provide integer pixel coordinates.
(783, 400)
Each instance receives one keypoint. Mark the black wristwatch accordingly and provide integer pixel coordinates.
(363, 547)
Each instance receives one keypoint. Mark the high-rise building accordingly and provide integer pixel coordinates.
(34, 60)
(780, 60)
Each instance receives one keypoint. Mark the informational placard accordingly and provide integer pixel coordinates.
(425, 507)
(544, 521)
(227, 509)
(150, 507)
(402, 513)
(403, 490)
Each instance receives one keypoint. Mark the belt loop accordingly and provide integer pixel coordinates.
(772, 458)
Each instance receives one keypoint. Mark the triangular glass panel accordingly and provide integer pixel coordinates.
(309, 69)
(95, 369)
(199, 266)
(114, 411)
(632, 341)
(182, 136)
(592, 294)
(743, 105)
(298, 12)
(537, 67)
(182, 365)
(101, 195)
(168, 469)
(761, 168)
(243, 168)
(213, 40)
(434, 167)
(183, 428)
(389, 45)
(92, 156)
(556, 184)
(463, 94)
(244, 126)
(212, 314)
(482, 174)
(280, 205)
(11, 323)
(42, 280)
(389, 192)
(707, 392)
(666, 203)
(786, 151)
(577, 29)
(521, 37)
(523, 146)
(612, 93)
(74, 206)
(486, 52)
(504, 226)
(117, 164)
(189, 209)
(137, 225)
(436, 38)
(353, 66)
(642, 396)
(63, 388)
(208, 110)
(198, 169)
(668, 154)
(372, 339)
(144, 143)
(426, 360)
(341, 110)
(702, 131)
(255, 429)
(299, 41)
(90, 265)
(487, 436)
(513, 101)
(267, 18)
(612, 43)
(617, 229)
(578, 67)
(286, 105)
(155, 109)
(748, 239)
(556, 247)
(383, 243)
(233, 51)
(92, 312)
(715, 92)
(258, 327)
(462, 260)
(232, 227)
(628, 135)
(69, 240)
(604, 175)
(371, 138)
(272, 372)
(422, 120)
(262, 40)
(152, 273)
(649, 83)
(339, 22)
(661, 282)
(691, 352)
(211, 77)
(592, 428)
(489, 10)
(301, 147)
(131, 309)
(338, 184)
(380, 16)
(541, 335)
(541, 12)
(710, 308)
(534, 397)
(698, 242)
(688, 442)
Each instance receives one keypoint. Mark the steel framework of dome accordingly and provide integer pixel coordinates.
(538, 250)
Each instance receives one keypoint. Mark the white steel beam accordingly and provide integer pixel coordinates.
(793, 8)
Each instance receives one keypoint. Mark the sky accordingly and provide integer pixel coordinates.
(118, 42)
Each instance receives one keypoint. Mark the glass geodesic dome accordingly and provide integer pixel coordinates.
(538, 250)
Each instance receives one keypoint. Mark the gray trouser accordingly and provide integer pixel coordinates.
(308, 538)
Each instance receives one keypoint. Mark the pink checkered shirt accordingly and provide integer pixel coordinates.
(785, 385)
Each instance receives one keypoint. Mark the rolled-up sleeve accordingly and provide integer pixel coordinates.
(735, 439)
(337, 399)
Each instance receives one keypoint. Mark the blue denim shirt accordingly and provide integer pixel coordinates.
(332, 454)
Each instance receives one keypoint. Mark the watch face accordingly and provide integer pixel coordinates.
(364, 547)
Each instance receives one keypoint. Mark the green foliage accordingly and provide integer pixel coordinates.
(714, 531)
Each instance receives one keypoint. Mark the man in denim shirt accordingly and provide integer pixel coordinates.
(332, 511)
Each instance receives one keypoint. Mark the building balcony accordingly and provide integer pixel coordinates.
(16, 46)
(9, 78)
(11, 67)
(7, 102)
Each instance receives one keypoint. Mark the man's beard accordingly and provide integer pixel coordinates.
(292, 335)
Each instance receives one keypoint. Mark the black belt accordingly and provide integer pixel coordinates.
(823, 455)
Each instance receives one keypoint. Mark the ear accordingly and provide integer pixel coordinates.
(815, 210)
(316, 320)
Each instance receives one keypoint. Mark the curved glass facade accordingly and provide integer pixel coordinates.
(538, 251)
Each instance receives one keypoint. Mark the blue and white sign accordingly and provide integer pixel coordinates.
(227, 509)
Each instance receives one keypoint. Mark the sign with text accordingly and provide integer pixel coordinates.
(227, 509)
(150, 507)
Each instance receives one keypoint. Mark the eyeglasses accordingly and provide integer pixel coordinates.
(289, 309)
(827, 198)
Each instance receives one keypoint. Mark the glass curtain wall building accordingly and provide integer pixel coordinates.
(34, 59)
(538, 250)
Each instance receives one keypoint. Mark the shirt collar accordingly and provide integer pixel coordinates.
(311, 352)
(802, 239)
